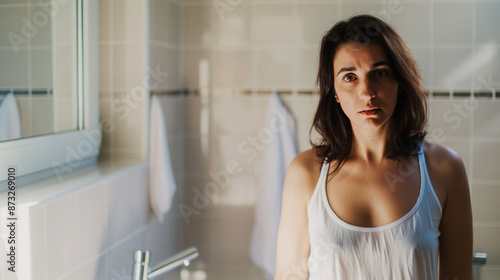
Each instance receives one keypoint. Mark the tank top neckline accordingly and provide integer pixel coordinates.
(329, 209)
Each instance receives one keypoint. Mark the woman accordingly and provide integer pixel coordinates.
(373, 200)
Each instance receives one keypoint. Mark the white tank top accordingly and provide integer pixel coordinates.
(404, 249)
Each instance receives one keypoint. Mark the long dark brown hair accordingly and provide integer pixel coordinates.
(408, 121)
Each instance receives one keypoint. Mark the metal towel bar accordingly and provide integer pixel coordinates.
(142, 270)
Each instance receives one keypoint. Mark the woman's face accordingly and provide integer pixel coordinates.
(364, 85)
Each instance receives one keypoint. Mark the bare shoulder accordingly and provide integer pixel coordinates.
(303, 173)
(447, 161)
(308, 162)
(446, 169)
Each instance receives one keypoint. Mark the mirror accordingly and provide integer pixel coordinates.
(38, 69)
(73, 58)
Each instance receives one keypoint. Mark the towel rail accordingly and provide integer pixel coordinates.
(142, 270)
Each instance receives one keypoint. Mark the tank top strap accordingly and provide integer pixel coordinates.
(425, 176)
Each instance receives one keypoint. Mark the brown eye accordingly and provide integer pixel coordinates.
(380, 73)
(349, 78)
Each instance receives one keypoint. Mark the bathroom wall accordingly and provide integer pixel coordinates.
(255, 47)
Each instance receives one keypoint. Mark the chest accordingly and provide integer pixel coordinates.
(372, 197)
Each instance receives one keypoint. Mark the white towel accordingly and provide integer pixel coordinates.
(10, 119)
(161, 176)
(276, 157)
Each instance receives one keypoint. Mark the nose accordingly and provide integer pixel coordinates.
(366, 91)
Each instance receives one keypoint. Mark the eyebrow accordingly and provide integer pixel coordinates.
(374, 65)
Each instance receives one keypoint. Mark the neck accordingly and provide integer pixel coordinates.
(369, 146)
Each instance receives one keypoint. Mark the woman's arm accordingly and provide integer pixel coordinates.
(293, 235)
(455, 241)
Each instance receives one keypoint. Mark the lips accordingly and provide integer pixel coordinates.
(369, 109)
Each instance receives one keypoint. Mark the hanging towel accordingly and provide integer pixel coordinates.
(161, 176)
(10, 119)
(276, 157)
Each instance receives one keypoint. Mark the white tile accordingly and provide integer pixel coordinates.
(94, 269)
(92, 220)
(485, 207)
(238, 192)
(229, 241)
(63, 23)
(71, 276)
(486, 160)
(42, 116)
(423, 58)
(128, 155)
(303, 108)
(38, 224)
(64, 69)
(104, 67)
(196, 203)
(192, 114)
(197, 154)
(105, 20)
(487, 119)
(235, 273)
(42, 21)
(453, 23)
(127, 115)
(164, 21)
(192, 60)
(240, 152)
(129, 62)
(129, 20)
(490, 273)
(171, 113)
(349, 10)
(62, 236)
(313, 21)
(487, 23)
(164, 62)
(487, 68)
(232, 115)
(453, 69)
(233, 28)
(16, 74)
(191, 273)
(404, 22)
(233, 68)
(307, 68)
(197, 25)
(259, 105)
(272, 24)
(486, 241)
(41, 68)
(127, 205)
(273, 68)
(451, 117)
(12, 24)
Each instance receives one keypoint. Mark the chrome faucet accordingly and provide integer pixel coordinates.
(142, 270)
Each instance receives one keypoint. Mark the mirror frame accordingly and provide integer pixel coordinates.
(61, 153)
